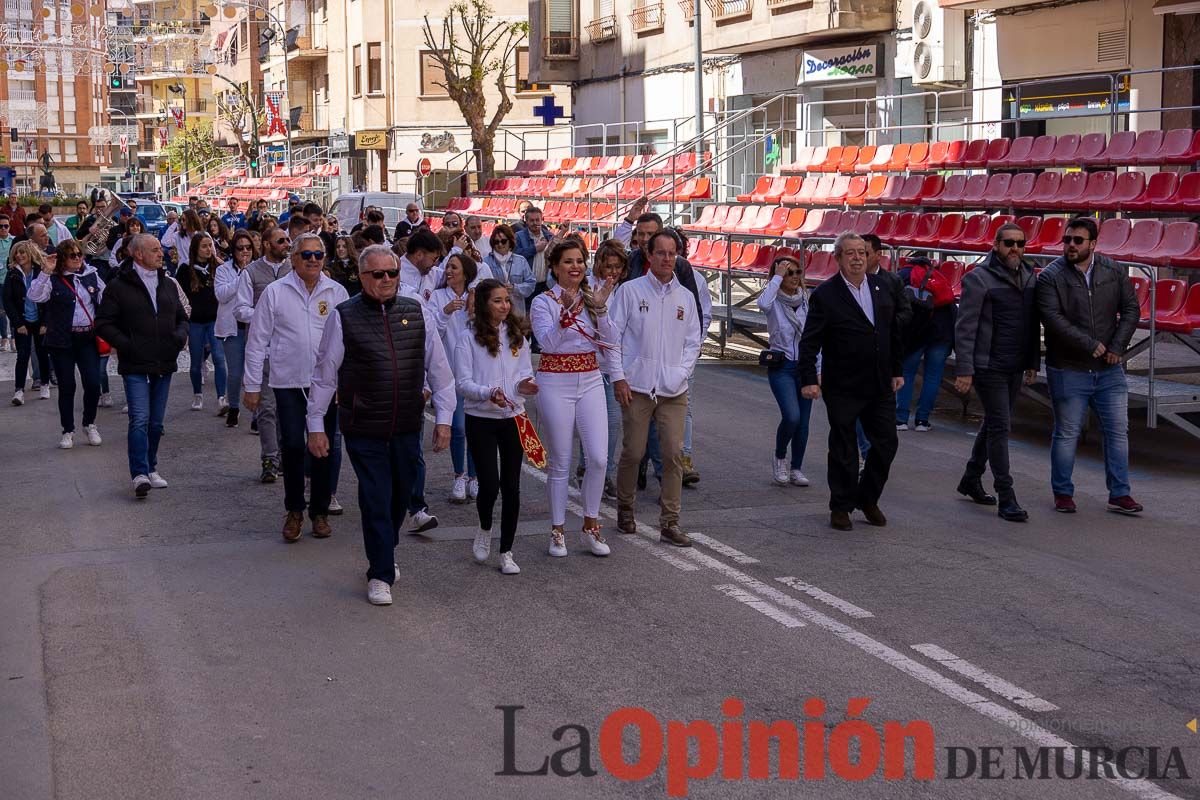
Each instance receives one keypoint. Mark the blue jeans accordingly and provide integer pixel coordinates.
(199, 335)
(935, 356)
(386, 472)
(1073, 392)
(147, 399)
(234, 348)
(458, 442)
(794, 412)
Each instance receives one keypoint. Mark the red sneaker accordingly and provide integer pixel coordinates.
(1064, 503)
(1124, 505)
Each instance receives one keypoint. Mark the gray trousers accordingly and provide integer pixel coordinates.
(268, 427)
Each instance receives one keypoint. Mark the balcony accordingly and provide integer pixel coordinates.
(603, 29)
(22, 98)
(307, 42)
(730, 9)
(560, 47)
(688, 7)
(647, 18)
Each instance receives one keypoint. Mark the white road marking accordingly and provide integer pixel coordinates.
(1008, 691)
(761, 606)
(723, 549)
(817, 593)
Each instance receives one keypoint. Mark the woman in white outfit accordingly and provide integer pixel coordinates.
(570, 322)
(449, 304)
(785, 302)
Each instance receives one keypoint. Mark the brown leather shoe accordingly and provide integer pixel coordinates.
(321, 529)
(874, 516)
(292, 526)
(673, 535)
(840, 521)
(625, 521)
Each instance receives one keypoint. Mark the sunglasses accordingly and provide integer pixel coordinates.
(1076, 240)
(501, 240)
(1013, 242)
(794, 273)
(312, 255)
(283, 241)
(74, 255)
(380, 274)
(244, 247)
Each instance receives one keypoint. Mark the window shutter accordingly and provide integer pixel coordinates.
(561, 17)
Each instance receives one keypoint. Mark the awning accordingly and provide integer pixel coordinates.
(1162, 7)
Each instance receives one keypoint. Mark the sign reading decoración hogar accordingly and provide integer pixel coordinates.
(839, 64)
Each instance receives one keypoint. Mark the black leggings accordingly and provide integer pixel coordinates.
(486, 437)
(31, 343)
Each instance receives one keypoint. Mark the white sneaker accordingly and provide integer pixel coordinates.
(923, 427)
(781, 471)
(472, 488)
(93, 435)
(197, 402)
(158, 481)
(422, 521)
(141, 487)
(798, 478)
(125, 409)
(222, 406)
(901, 426)
(482, 547)
(379, 593)
(507, 565)
(18, 398)
(106, 400)
(595, 542)
(67, 441)
(458, 492)
(335, 507)
(44, 393)
(558, 543)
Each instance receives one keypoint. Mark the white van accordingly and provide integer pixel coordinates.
(349, 207)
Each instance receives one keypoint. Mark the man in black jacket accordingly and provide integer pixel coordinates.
(852, 324)
(143, 318)
(1090, 311)
(996, 345)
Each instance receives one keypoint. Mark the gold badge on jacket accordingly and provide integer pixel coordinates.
(323, 307)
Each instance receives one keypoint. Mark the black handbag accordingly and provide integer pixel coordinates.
(771, 358)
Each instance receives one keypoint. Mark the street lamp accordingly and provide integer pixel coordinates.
(128, 147)
(181, 89)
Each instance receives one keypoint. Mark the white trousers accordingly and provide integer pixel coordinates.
(570, 401)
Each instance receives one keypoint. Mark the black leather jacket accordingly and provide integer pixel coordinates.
(1077, 318)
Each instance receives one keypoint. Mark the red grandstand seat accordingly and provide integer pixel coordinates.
(885, 224)
(1143, 239)
(831, 224)
(883, 157)
(866, 155)
(1141, 290)
(1100, 187)
(1042, 152)
(1049, 236)
(1113, 235)
(818, 157)
(746, 257)
(1118, 151)
(717, 221)
(931, 186)
(1020, 189)
(1091, 146)
(1145, 149)
(702, 222)
(953, 271)
(890, 196)
(829, 163)
(875, 188)
(1031, 225)
(973, 230)
(761, 186)
(773, 193)
(848, 221)
(1070, 190)
(1186, 197)
(949, 228)
(808, 188)
(867, 222)
(910, 190)
(795, 219)
(972, 196)
(1065, 149)
(856, 190)
(901, 155)
(1169, 296)
(701, 253)
(753, 223)
(732, 219)
(800, 162)
(1176, 148)
(1128, 186)
(1178, 239)
(996, 192)
(951, 193)
(996, 150)
(939, 154)
(1014, 154)
(1044, 191)
(1187, 318)
(906, 226)
(813, 222)
(976, 155)
(848, 160)
(762, 259)
(917, 157)
(1159, 189)
(820, 265)
(1192, 155)
(838, 190)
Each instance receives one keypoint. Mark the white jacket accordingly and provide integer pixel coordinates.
(657, 336)
(478, 373)
(449, 326)
(225, 286)
(288, 323)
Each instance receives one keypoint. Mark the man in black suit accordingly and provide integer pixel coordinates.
(852, 324)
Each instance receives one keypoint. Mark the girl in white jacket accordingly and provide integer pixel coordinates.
(449, 304)
(570, 322)
(494, 374)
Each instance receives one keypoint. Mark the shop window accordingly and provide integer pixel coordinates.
(523, 84)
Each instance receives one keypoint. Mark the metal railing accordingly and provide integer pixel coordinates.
(647, 18)
(602, 29)
(729, 9)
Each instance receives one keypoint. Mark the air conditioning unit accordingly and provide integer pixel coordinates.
(939, 49)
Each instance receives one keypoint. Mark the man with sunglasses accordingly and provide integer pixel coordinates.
(1090, 311)
(377, 352)
(996, 348)
(411, 222)
(288, 322)
(252, 282)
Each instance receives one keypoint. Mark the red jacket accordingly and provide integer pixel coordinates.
(939, 284)
(16, 217)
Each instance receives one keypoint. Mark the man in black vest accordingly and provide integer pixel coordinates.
(376, 353)
(852, 323)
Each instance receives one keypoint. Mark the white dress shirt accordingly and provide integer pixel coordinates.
(862, 296)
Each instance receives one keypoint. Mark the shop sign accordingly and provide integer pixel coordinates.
(839, 64)
(371, 140)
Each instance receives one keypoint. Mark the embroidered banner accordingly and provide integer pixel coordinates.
(275, 121)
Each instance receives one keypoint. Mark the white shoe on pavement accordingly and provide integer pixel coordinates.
(67, 441)
(18, 397)
(458, 492)
(125, 409)
(93, 435)
(44, 393)
(379, 593)
(222, 406)
(781, 471)
(158, 481)
(197, 402)
(482, 547)
(422, 521)
(106, 400)
(141, 487)
(335, 508)
(558, 543)
(901, 426)
(472, 488)
(923, 426)
(595, 542)
(507, 565)
(798, 478)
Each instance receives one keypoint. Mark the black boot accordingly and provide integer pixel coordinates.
(973, 488)
(1010, 510)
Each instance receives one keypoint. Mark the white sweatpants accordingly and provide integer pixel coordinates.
(568, 401)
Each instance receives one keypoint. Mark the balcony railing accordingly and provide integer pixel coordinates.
(306, 38)
(603, 29)
(561, 47)
(785, 3)
(730, 9)
(647, 18)
(22, 98)
(688, 7)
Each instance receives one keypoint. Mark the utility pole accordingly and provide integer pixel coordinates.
(699, 67)
(181, 89)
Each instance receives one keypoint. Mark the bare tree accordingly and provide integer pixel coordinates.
(472, 48)
(244, 119)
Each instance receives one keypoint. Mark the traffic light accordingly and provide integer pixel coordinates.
(12, 134)
(116, 82)
(253, 158)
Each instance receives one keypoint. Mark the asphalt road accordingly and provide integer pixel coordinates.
(179, 648)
